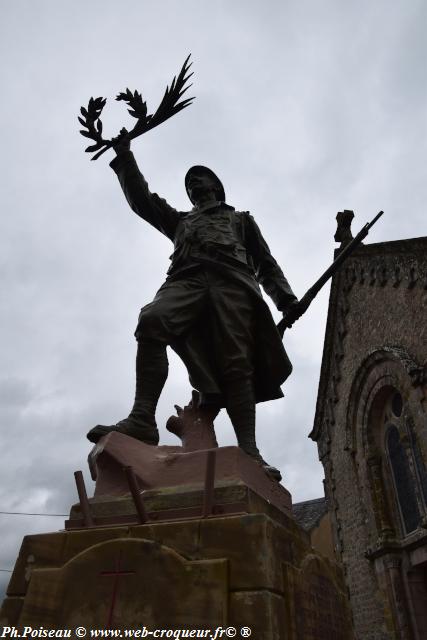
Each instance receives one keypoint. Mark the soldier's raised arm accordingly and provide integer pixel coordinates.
(147, 205)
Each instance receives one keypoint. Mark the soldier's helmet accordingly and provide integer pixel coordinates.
(201, 170)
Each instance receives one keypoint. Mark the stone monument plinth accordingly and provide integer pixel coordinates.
(236, 559)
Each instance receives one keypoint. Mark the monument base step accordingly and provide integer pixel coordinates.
(181, 503)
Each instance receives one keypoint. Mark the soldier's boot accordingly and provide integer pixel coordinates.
(151, 374)
(241, 410)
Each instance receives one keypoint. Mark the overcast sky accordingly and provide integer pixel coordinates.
(303, 108)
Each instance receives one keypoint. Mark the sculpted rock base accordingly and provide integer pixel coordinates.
(180, 471)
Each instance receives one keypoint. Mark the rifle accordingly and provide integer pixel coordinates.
(309, 296)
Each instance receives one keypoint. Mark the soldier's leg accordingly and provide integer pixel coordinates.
(151, 375)
(240, 405)
(159, 322)
(234, 329)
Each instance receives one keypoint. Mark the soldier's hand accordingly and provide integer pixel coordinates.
(292, 313)
(121, 143)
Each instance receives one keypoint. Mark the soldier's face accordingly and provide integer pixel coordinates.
(200, 186)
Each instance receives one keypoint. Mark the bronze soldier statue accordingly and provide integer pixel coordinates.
(209, 310)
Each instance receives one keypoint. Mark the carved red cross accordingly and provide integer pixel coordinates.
(116, 573)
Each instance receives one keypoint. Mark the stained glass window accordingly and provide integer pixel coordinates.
(403, 480)
(419, 462)
(397, 404)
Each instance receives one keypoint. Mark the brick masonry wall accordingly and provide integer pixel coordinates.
(379, 299)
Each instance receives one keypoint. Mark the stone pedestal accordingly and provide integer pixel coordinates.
(175, 470)
(248, 564)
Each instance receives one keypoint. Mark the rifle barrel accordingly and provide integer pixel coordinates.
(344, 253)
(371, 224)
(309, 296)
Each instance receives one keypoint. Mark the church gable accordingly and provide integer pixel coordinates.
(371, 431)
(379, 296)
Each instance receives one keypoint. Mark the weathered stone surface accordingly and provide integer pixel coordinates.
(252, 543)
(318, 604)
(36, 551)
(160, 467)
(184, 538)
(11, 610)
(189, 573)
(180, 502)
(375, 338)
(247, 550)
(78, 541)
(264, 612)
(186, 594)
(194, 425)
(259, 539)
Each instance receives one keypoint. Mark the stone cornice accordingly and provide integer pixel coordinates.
(394, 247)
(389, 545)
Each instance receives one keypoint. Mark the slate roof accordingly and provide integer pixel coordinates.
(309, 513)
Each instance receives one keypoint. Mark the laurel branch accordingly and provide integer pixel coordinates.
(169, 106)
(91, 121)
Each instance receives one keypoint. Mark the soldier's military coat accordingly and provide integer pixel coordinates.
(224, 241)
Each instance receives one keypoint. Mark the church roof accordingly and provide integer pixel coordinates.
(309, 513)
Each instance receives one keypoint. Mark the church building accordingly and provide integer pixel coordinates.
(371, 431)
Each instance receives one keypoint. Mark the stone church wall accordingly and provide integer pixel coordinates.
(375, 340)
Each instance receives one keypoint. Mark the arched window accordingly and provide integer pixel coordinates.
(419, 462)
(405, 463)
(384, 431)
(403, 480)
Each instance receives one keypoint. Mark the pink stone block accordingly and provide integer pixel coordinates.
(166, 466)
